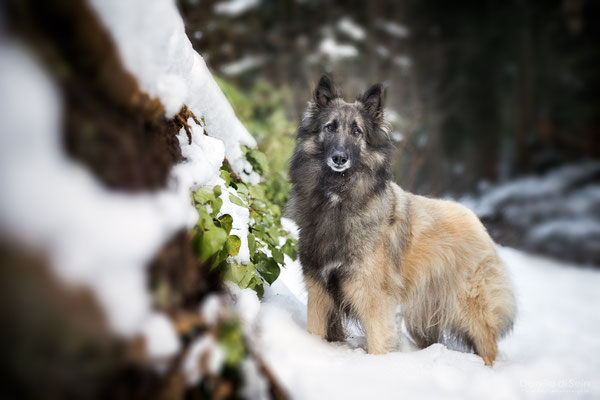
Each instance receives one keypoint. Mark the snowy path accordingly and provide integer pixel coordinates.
(553, 351)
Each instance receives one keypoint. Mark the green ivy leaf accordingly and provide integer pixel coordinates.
(277, 255)
(258, 160)
(233, 245)
(249, 275)
(225, 175)
(236, 200)
(226, 222)
(244, 198)
(204, 195)
(205, 220)
(242, 189)
(257, 191)
(268, 269)
(260, 290)
(216, 205)
(258, 219)
(289, 248)
(242, 275)
(231, 340)
(218, 259)
(251, 244)
(235, 273)
(211, 241)
(274, 232)
(275, 210)
(257, 285)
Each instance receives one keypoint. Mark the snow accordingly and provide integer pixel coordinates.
(255, 385)
(551, 353)
(402, 61)
(156, 50)
(161, 338)
(234, 8)
(336, 51)
(397, 136)
(210, 309)
(352, 29)
(391, 116)
(205, 347)
(203, 158)
(246, 303)
(242, 65)
(393, 28)
(382, 51)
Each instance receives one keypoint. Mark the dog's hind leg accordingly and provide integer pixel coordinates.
(320, 307)
(422, 341)
(423, 322)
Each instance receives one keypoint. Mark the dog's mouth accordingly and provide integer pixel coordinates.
(337, 168)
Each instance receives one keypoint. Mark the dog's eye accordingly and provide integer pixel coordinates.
(330, 128)
(356, 131)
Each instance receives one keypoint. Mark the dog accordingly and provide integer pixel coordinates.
(366, 246)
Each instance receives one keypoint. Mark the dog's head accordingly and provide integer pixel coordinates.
(345, 137)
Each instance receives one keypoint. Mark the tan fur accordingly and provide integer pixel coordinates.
(310, 147)
(449, 280)
(319, 304)
(372, 296)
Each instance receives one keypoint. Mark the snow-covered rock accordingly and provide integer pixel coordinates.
(556, 213)
(96, 237)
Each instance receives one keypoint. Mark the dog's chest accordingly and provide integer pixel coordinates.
(329, 270)
(332, 276)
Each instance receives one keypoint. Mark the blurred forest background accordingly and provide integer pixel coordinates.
(479, 94)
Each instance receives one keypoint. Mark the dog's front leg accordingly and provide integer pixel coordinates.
(375, 310)
(319, 307)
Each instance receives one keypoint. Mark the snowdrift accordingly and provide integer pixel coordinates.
(551, 353)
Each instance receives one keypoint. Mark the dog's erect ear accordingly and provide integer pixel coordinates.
(373, 101)
(324, 92)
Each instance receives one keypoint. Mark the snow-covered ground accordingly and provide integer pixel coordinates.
(551, 353)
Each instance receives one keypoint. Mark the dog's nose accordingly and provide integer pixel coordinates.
(339, 158)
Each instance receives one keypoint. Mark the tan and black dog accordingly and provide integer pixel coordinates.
(367, 247)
